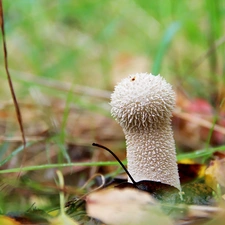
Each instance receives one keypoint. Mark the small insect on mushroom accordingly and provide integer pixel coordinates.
(142, 104)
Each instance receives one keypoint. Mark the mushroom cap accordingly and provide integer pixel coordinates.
(142, 100)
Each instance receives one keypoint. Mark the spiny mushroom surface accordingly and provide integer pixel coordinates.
(142, 104)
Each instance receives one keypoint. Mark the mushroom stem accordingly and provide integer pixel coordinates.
(153, 159)
(142, 104)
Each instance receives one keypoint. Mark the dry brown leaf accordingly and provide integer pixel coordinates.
(125, 207)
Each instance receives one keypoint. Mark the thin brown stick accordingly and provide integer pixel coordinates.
(62, 86)
(18, 113)
(200, 121)
(18, 138)
(206, 54)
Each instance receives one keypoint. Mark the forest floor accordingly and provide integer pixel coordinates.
(64, 60)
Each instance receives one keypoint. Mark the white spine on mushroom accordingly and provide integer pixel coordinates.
(143, 104)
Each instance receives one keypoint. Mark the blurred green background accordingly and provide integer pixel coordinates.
(96, 43)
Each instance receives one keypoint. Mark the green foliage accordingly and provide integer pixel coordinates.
(80, 41)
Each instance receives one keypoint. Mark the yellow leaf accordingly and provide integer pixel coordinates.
(8, 221)
(214, 174)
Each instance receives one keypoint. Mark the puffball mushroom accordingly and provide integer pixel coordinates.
(142, 104)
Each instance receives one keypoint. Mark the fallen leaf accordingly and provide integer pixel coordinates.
(8, 221)
(189, 171)
(156, 189)
(126, 206)
(214, 174)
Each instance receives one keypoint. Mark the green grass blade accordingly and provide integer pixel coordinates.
(166, 40)
(14, 153)
(200, 153)
(57, 166)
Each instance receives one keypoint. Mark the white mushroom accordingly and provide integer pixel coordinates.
(142, 104)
